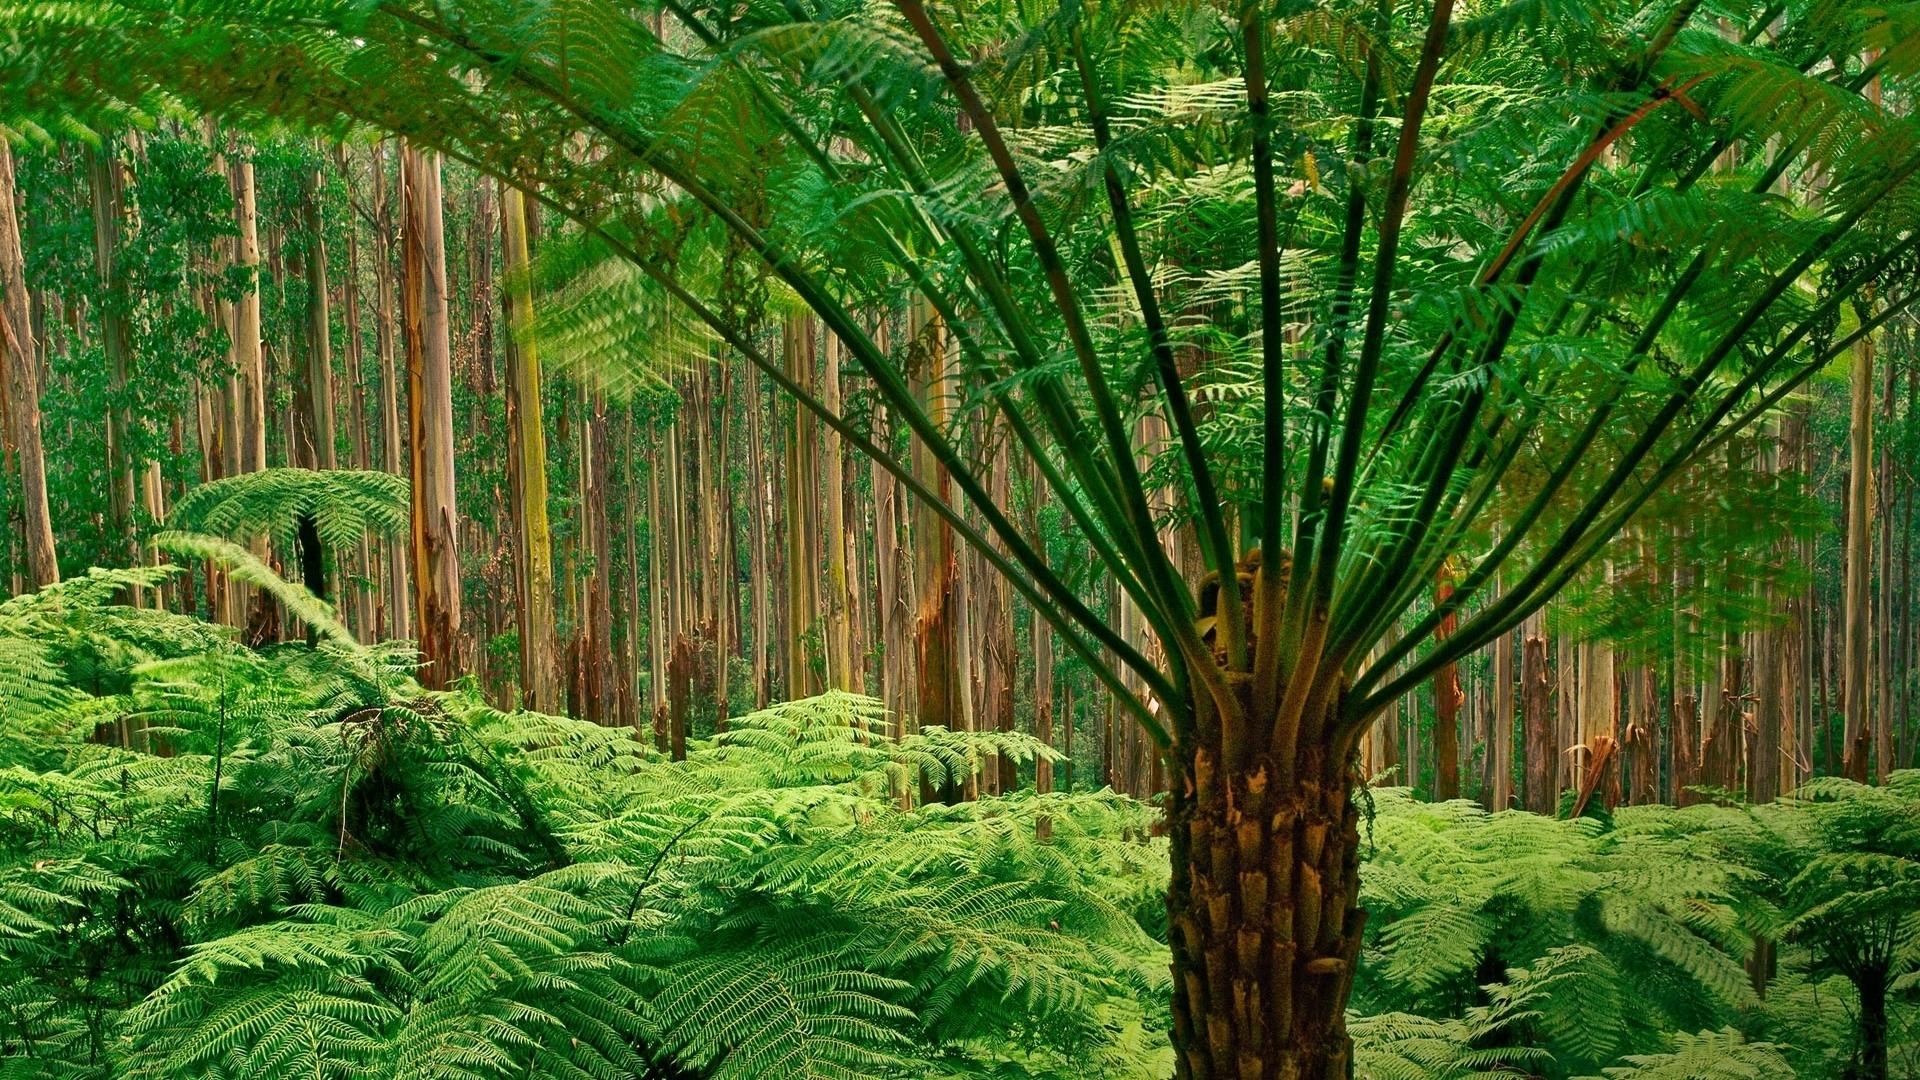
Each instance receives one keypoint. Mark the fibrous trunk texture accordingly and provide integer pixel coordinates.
(1265, 925)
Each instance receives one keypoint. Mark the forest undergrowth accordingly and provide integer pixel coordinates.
(293, 861)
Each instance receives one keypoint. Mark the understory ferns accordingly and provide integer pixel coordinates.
(293, 861)
(1833, 875)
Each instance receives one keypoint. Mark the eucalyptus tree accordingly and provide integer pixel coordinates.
(1407, 283)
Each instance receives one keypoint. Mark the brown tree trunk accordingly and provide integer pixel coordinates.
(1447, 699)
(1499, 794)
(436, 563)
(1859, 566)
(1686, 747)
(679, 693)
(20, 384)
(1537, 725)
(937, 682)
(116, 338)
(1263, 912)
(802, 503)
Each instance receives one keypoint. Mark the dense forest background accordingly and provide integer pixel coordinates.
(700, 523)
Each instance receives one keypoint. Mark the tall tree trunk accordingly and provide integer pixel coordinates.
(20, 383)
(527, 467)
(803, 487)
(395, 606)
(1884, 668)
(833, 492)
(1686, 747)
(1859, 565)
(937, 681)
(116, 338)
(363, 569)
(760, 557)
(319, 374)
(1499, 795)
(1537, 724)
(1447, 699)
(436, 563)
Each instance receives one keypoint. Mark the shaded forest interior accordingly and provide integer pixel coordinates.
(622, 520)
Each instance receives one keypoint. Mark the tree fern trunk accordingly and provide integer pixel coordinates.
(1263, 909)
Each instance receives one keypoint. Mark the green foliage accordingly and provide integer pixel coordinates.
(344, 504)
(298, 863)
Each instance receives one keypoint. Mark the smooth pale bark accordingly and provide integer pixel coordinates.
(319, 421)
(20, 384)
(357, 434)
(891, 589)
(436, 563)
(395, 607)
(249, 362)
(1858, 617)
(656, 617)
(760, 554)
(596, 652)
(108, 180)
(527, 467)
(841, 674)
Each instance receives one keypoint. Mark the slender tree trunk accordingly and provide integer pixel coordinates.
(1500, 728)
(760, 558)
(1884, 670)
(116, 338)
(394, 609)
(527, 467)
(1447, 699)
(20, 384)
(937, 680)
(1686, 747)
(363, 569)
(840, 660)
(1859, 565)
(436, 563)
(1537, 724)
(803, 487)
(319, 373)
